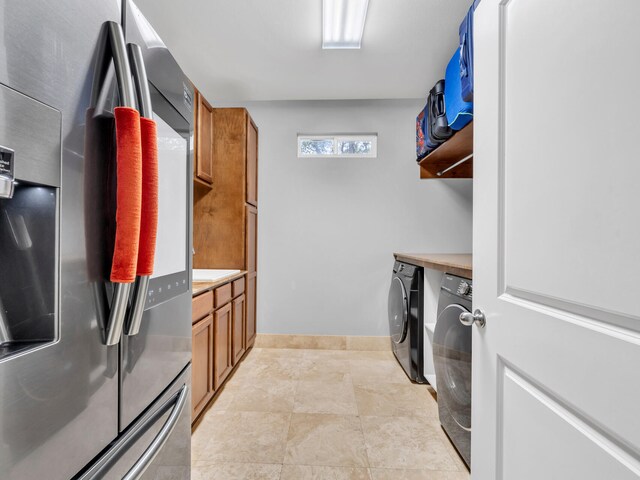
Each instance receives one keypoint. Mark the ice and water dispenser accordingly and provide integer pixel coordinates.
(29, 258)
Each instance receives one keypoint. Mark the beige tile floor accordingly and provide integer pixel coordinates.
(323, 414)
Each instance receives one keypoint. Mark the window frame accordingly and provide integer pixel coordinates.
(337, 138)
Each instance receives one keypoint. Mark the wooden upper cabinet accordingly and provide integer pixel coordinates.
(219, 214)
(252, 162)
(251, 239)
(203, 153)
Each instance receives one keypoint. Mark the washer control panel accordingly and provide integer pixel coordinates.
(462, 287)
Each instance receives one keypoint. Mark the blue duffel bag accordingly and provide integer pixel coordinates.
(466, 54)
(459, 112)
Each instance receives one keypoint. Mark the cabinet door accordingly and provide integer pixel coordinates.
(204, 140)
(251, 239)
(252, 163)
(201, 365)
(221, 345)
(238, 316)
(250, 328)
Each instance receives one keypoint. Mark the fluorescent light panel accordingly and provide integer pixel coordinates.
(343, 23)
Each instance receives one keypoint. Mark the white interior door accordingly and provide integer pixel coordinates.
(556, 369)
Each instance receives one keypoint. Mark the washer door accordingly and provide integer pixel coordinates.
(398, 311)
(452, 358)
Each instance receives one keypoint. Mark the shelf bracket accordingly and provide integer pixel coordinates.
(460, 162)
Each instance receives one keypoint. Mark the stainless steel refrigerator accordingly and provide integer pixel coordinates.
(94, 376)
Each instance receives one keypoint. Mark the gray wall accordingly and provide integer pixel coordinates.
(327, 228)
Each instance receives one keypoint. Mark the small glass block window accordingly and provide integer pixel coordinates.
(317, 147)
(344, 146)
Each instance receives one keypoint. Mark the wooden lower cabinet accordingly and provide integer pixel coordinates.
(250, 329)
(222, 328)
(201, 365)
(238, 316)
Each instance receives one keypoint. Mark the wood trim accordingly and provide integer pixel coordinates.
(201, 184)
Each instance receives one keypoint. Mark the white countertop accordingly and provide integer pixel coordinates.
(211, 275)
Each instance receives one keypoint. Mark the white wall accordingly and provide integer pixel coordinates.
(327, 228)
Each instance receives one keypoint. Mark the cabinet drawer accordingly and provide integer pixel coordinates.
(222, 295)
(201, 306)
(238, 287)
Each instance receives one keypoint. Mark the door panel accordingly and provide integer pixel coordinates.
(558, 290)
(238, 328)
(251, 216)
(204, 140)
(51, 396)
(591, 454)
(252, 163)
(221, 345)
(581, 175)
(202, 365)
(251, 327)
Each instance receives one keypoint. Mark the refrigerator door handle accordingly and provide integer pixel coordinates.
(163, 435)
(141, 285)
(140, 80)
(125, 86)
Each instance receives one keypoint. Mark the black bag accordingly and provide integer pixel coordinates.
(439, 130)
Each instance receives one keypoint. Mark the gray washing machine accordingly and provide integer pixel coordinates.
(452, 359)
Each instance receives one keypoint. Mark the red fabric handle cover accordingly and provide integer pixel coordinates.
(128, 196)
(149, 221)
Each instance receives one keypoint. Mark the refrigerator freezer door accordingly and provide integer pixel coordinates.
(157, 445)
(51, 396)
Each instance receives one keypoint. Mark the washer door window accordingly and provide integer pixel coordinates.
(452, 355)
(398, 311)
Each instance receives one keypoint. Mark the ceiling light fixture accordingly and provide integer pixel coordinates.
(343, 23)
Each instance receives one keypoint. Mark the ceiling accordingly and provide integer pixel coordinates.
(246, 50)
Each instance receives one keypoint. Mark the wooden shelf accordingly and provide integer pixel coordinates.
(453, 150)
